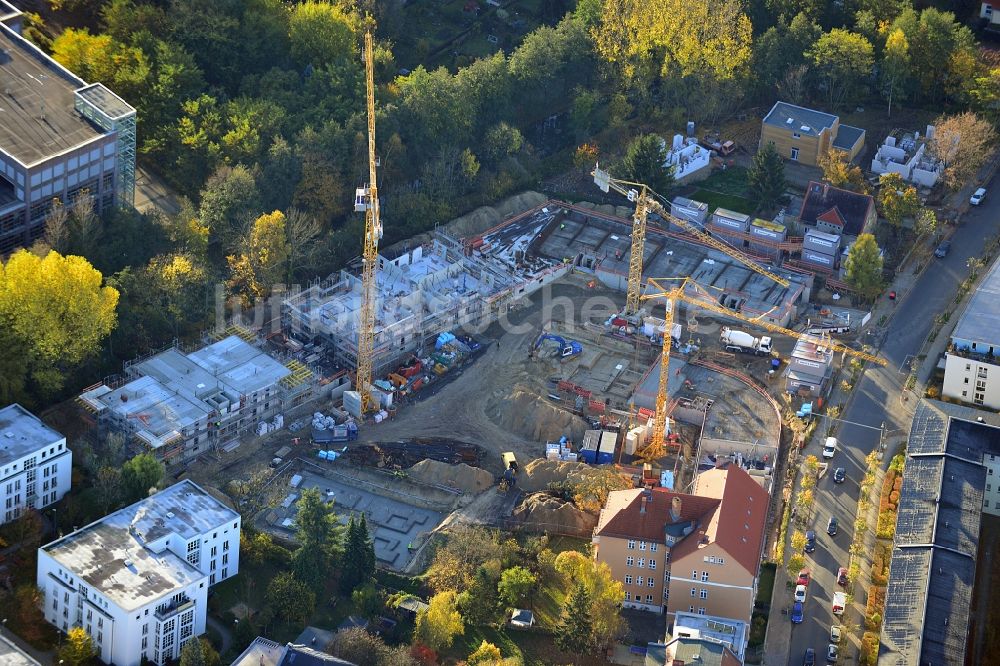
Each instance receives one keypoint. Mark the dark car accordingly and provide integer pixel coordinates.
(810, 658)
(810, 541)
(797, 614)
(839, 475)
(942, 250)
(831, 527)
(842, 577)
(832, 652)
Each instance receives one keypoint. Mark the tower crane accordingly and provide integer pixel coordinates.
(366, 199)
(646, 201)
(702, 299)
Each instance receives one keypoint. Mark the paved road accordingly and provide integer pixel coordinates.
(877, 400)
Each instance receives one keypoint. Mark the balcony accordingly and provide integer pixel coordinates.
(172, 608)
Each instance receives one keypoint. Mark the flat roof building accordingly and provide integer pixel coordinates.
(35, 463)
(137, 580)
(179, 405)
(972, 368)
(59, 137)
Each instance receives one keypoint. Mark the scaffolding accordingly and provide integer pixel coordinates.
(112, 114)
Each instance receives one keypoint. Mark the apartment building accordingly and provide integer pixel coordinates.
(971, 363)
(35, 463)
(137, 580)
(59, 137)
(179, 405)
(805, 135)
(697, 553)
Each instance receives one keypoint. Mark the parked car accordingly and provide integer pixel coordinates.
(942, 250)
(831, 526)
(810, 658)
(839, 475)
(800, 593)
(842, 576)
(830, 447)
(804, 577)
(810, 541)
(835, 633)
(831, 653)
(978, 196)
(797, 612)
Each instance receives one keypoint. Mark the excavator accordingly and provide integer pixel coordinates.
(566, 348)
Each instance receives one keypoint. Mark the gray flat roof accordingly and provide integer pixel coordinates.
(21, 433)
(801, 117)
(112, 554)
(240, 365)
(39, 88)
(98, 96)
(158, 411)
(981, 320)
(847, 136)
(10, 654)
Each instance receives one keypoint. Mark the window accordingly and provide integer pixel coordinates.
(145, 642)
(704, 576)
(225, 573)
(629, 561)
(642, 545)
(986, 504)
(225, 559)
(701, 611)
(981, 373)
(639, 581)
(694, 575)
(642, 562)
(631, 542)
(795, 154)
(649, 582)
(980, 385)
(628, 596)
(649, 598)
(703, 594)
(694, 591)
(653, 547)
(652, 563)
(145, 629)
(978, 399)
(628, 580)
(212, 566)
(796, 135)
(215, 551)
(690, 609)
(225, 546)
(720, 561)
(966, 380)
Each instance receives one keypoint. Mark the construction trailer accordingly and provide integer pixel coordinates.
(179, 405)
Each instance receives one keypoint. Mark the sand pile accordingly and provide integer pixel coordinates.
(463, 477)
(531, 416)
(547, 513)
(486, 217)
(539, 473)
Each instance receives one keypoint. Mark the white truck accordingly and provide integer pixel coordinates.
(839, 601)
(739, 341)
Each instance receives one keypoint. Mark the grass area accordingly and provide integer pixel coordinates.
(731, 202)
(729, 181)
(531, 647)
(765, 584)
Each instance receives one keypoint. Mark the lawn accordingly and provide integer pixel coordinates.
(532, 647)
(720, 200)
(729, 181)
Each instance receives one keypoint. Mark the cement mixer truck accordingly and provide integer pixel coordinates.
(739, 341)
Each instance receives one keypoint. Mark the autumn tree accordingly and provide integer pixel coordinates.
(455, 564)
(264, 259)
(841, 59)
(365, 649)
(798, 540)
(294, 599)
(926, 222)
(438, 624)
(864, 267)
(840, 172)
(77, 648)
(575, 631)
(487, 654)
(254, 491)
(897, 199)
(963, 143)
(304, 235)
(766, 176)
(322, 32)
(603, 592)
(54, 313)
(895, 65)
(57, 233)
(192, 653)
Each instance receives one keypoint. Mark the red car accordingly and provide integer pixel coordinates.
(804, 577)
(842, 577)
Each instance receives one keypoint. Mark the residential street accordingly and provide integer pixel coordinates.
(876, 400)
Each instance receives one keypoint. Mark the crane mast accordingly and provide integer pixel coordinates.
(373, 232)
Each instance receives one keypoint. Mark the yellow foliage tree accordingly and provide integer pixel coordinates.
(486, 654)
(604, 591)
(56, 310)
(77, 649)
(264, 260)
(839, 171)
(440, 622)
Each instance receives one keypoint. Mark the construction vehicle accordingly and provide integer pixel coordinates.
(508, 479)
(366, 200)
(692, 293)
(739, 341)
(566, 348)
(646, 201)
(722, 148)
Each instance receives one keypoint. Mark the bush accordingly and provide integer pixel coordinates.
(933, 393)
(869, 648)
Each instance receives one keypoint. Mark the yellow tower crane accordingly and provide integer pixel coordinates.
(366, 199)
(646, 201)
(702, 299)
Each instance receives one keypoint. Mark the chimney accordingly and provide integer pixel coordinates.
(675, 508)
(642, 504)
(826, 190)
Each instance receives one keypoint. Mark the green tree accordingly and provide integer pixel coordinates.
(644, 162)
(480, 602)
(940, 48)
(359, 555)
(229, 200)
(366, 600)
(209, 655)
(604, 592)
(574, 633)
(315, 531)
(438, 624)
(766, 176)
(864, 267)
(926, 222)
(77, 648)
(140, 475)
(895, 66)
(842, 60)
(192, 653)
(321, 32)
(515, 585)
(897, 199)
(294, 599)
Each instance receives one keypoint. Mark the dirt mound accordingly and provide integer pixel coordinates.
(539, 473)
(547, 513)
(531, 416)
(463, 477)
(486, 217)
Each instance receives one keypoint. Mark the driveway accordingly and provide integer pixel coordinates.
(877, 400)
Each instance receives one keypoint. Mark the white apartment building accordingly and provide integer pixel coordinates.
(137, 580)
(35, 463)
(972, 362)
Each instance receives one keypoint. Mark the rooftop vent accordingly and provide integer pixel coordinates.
(128, 563)
(789, 121)
(170, 514)
(805, 128)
